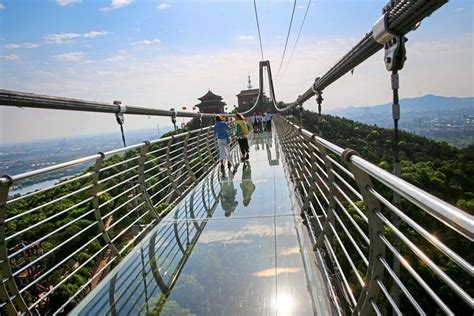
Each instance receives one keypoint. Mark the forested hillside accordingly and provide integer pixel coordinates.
(436, 167)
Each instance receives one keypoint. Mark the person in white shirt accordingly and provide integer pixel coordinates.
(268, 121)
(255, 122)
(260, 122)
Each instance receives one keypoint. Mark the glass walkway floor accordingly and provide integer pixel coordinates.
(234, 246)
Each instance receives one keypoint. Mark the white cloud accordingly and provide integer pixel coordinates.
(60, 38)
(11, 58)
(72, 56)
(146, 42)
(163, 6)
(115, 58)
(65, 3)
(22, 45)
(116, 4)
(93, 34)
(458, 9)
(301, 6)
(11, 46)
(272, 272)
(243, 235)
(63, 38)
(2, 6)
(30, 45)
(369, 85)
(246, 37)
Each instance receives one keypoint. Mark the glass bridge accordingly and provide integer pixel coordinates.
(235, 244)
(304, 227)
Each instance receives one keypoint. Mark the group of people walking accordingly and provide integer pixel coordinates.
(222, 133)
(262, 122)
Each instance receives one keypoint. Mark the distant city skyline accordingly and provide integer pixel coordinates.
(166, 54)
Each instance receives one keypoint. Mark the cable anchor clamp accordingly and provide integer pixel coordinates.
(121, 110)
(380, 30)
(395, 53)
(173, 117)
(313, 87)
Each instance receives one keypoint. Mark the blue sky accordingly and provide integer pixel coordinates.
(168, 53)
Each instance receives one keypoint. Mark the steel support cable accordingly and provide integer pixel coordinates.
(287, 37)
(298, 37)
(31, 100)
(258, 28)
(400, 20)
(266, 64)
(272, 90)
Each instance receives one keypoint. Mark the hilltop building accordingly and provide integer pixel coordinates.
(247, 98)
(211, 103)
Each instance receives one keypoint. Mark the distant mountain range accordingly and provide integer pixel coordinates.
(428, 103)
(443, 118)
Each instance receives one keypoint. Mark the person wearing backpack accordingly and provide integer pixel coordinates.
(241, 132)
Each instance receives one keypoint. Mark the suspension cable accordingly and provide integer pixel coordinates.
(298, 37)
(272, 90)
(258, 28)
(287, 37)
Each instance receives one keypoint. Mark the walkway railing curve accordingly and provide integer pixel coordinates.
(345, 202)
(58, 242)
(163, 255)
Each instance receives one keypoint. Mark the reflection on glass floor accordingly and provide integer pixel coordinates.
(234, 246)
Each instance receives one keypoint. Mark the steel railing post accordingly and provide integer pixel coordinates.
(210, 136)
(286, 135)
(299, 162)
(199, 151)
(15, 304)
(375, 269)
(330, 218)
(186, 158)
(141, 179)
(288, 148)
(169, 171)
(314, 169)
(95, 192)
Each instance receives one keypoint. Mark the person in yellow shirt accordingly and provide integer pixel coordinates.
(241, 132)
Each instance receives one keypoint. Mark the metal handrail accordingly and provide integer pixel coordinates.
(38, 101)
(350, 223)
(90, 220)
(400, 20)
(461, 221)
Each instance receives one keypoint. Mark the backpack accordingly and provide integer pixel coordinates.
(243, 127)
